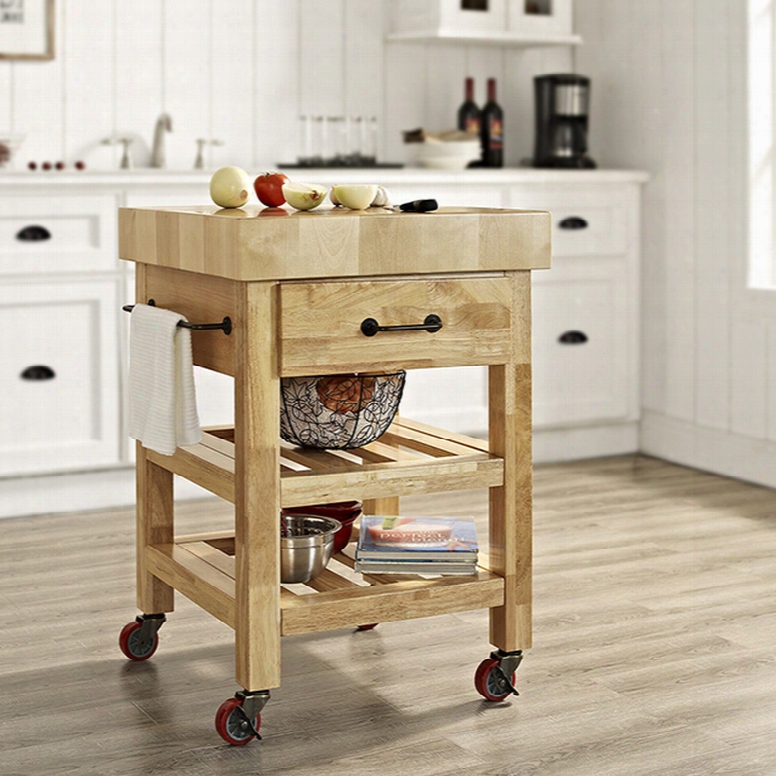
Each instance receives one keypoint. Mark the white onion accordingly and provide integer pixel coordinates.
(230, 187)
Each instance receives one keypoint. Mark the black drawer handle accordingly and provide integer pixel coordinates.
(38, 372)
(573, 337)
(573, 222)
(370, 327)
(33, 233)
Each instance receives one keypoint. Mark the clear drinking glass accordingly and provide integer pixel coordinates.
(305, 158)
(368, 141)
(318, 141)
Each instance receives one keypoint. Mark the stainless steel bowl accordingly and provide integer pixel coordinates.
(306, 543)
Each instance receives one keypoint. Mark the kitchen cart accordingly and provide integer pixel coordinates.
(294, 291)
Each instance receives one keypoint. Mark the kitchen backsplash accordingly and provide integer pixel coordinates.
(243, 72)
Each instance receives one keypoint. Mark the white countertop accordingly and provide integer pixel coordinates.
(384, 176)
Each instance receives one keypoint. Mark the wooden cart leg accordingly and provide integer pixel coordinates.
(257, 490)
(154, 526)
(510, 524)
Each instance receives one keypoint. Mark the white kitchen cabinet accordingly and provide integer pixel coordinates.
(586, 314)
(59, 368)
(494, 22)
(57, 233)
(582, 360)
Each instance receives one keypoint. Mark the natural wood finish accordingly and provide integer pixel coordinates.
(198, 580)
(257, 490)
(154, 526)
(459, 465)
(321, 334)
(201, 299)
(209, 468)
(401, 600)
(208, 576)
(328, 243)
(510, 504)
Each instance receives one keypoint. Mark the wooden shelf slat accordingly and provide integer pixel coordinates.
(330, 580)
(476, 444)
(401, 600)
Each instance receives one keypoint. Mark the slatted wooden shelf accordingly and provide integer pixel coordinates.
(202, 567)
(410, 457)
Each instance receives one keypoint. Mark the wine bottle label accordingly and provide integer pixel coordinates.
(472, 125)
(496, 134)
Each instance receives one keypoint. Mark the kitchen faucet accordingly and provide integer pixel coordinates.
(163, 124)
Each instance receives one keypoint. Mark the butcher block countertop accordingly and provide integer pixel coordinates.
(254, 243)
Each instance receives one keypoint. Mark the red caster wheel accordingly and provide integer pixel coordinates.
(490, 681)
(139, 640)
(233, 725)
(371, 626)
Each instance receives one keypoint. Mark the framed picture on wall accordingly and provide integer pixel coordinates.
(26, 29)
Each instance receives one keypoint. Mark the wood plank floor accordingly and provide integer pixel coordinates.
(655, 626)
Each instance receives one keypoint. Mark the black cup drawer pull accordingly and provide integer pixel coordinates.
(33, 233)
(370, 327)
(38, 372)
(573, 337)
(573, 223)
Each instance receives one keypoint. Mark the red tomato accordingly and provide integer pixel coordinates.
(269, 188)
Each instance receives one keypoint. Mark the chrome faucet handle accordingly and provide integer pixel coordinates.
(126, 142)
(199, 162)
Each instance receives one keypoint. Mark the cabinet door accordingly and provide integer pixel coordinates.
(584, 367)
(59, 376)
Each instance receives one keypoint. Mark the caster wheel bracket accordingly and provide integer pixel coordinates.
(149, 627)
(251, 707)
(507, 666)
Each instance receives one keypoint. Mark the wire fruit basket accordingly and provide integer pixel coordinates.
(338, 412)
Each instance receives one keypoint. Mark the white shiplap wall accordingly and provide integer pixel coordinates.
(243, 72)
(670, 82)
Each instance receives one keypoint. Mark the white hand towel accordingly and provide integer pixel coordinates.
(162, 399)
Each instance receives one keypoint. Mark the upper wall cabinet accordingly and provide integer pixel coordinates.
(500, 22)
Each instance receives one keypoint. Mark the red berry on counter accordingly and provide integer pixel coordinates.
(80, 166)
(32, 165)
(46, 165)
(60, 165)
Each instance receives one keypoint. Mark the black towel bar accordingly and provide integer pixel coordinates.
(225, 325)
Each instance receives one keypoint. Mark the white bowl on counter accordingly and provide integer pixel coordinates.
(453, 155)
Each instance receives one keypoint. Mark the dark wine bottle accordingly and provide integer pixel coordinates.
(492, 129)
(469, 113)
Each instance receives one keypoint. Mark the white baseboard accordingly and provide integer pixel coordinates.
(564, 444)
(709, 449)
(81, 492)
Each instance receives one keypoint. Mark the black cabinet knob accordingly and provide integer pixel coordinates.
(573, 337)
(33, 233)
(573, 223)
(38, 372)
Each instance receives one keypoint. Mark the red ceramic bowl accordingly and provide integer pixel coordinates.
(344, 511)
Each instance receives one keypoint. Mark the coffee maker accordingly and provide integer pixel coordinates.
(562, 108)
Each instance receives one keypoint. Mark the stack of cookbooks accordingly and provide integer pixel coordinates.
(416, 545)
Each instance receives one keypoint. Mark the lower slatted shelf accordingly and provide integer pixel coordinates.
(202, 568)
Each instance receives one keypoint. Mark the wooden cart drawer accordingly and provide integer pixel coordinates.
(321, 324)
